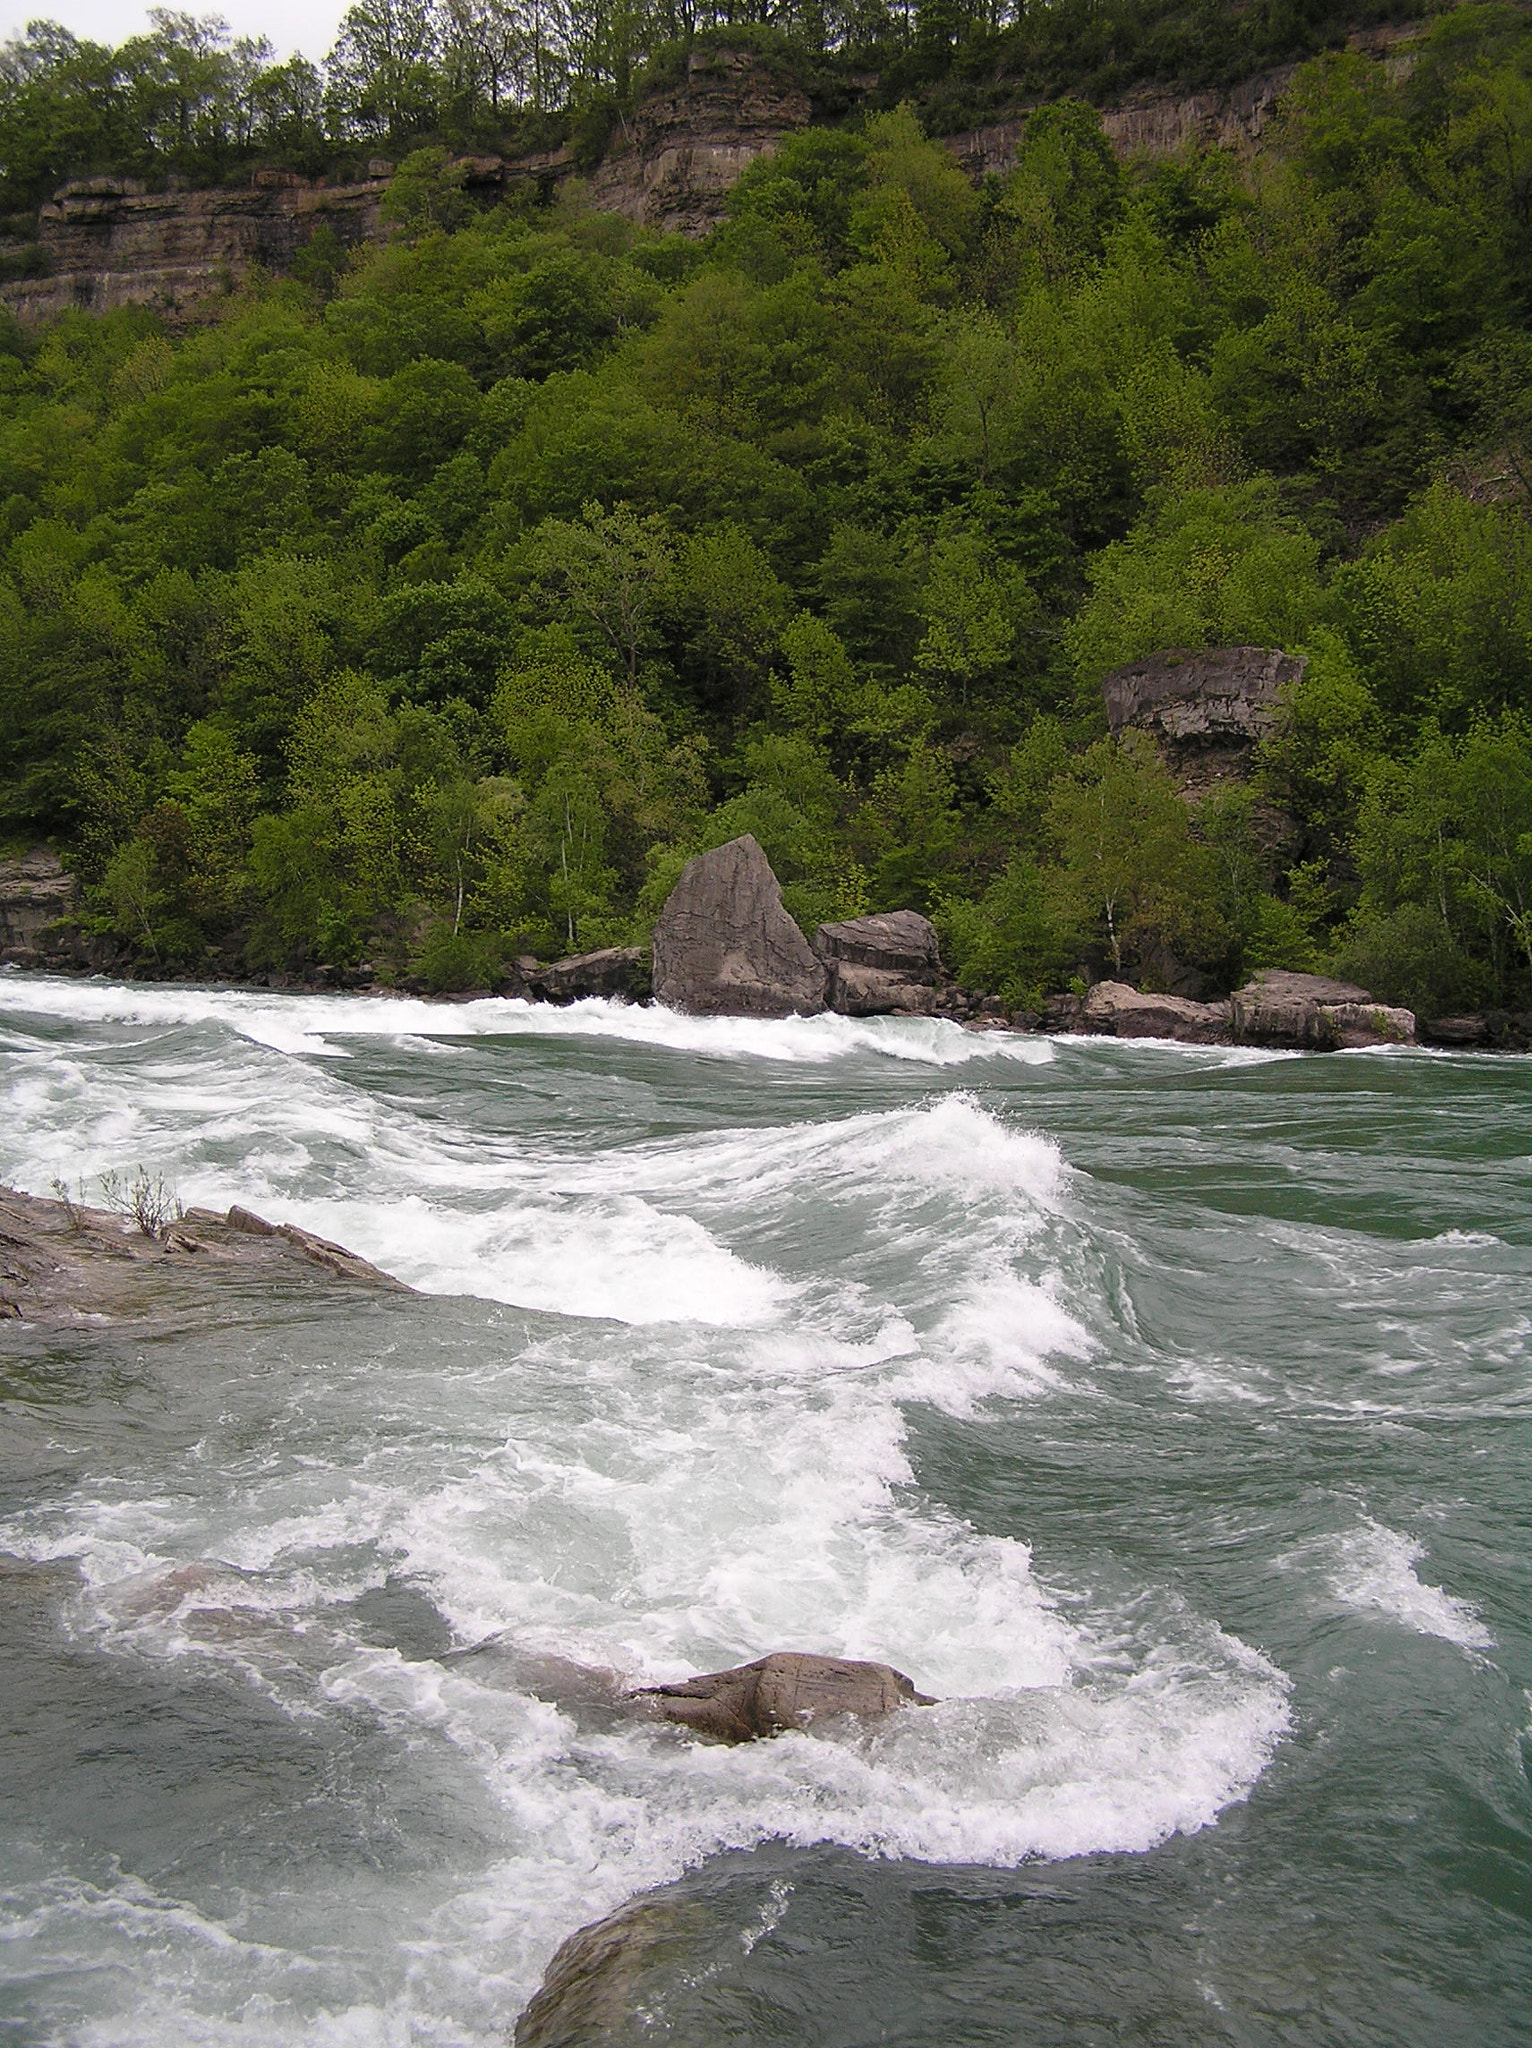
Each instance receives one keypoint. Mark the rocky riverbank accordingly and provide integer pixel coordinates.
(725, 945)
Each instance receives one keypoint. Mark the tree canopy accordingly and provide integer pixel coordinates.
(437, 606)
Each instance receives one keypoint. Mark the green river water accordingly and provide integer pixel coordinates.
(1167, 1412)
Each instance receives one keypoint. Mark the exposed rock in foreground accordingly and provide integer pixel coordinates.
(592, 1991)
(789, 1689)
(725, 946)
(64, 1264)
(888, 964)
(1310, 1013)
(785, 1690)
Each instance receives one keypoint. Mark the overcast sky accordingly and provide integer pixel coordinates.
(289, 24)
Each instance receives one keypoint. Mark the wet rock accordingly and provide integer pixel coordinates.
(64, 1264)
(593, 1695)
(788, 1689)
(725, 946)
(1114, 1009)
(874, 992)
(593, 1990)
(883, 965)
(621, 971)
(1312, 1013)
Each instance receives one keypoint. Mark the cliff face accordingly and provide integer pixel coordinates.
(683, 149)
(105, 242)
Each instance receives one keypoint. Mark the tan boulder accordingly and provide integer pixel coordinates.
(1312, 1013)
(789, 1689)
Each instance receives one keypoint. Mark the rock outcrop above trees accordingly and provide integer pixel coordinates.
(1310, 1013)
(725, 945)
(1204, 711)
(64, 1264)
(105, 242)
(888, 964)
(786, 1690)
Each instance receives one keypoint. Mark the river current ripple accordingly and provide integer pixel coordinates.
(1165, 1411)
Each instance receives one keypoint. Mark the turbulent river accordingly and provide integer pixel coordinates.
(1167, 1412)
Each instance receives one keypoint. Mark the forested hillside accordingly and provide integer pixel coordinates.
(438, 606)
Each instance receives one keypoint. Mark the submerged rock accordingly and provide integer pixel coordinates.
(788, 1689)
(884, 965)
(725, 946)
(1311, 1013)
(1113, 1009)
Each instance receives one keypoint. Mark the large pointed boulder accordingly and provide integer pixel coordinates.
(725, 945)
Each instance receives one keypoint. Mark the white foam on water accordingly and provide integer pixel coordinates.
(307, 1024)
(1371, 1569)
(697, 1452)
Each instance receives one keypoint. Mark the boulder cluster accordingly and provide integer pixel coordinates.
(725, 945)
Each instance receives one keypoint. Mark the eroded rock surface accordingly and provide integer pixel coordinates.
(1113, 1009)
(886, 964)
(613, 971)
(1310, 1012)
(725, 946)
(788, 1689)
(66, 1264)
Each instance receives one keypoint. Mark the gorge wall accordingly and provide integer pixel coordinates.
(106, 242)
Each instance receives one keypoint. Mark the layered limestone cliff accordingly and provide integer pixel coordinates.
(106, 242)
(672, 162)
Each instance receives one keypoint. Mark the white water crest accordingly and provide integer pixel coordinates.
(1371, 1568)
(670, 1431)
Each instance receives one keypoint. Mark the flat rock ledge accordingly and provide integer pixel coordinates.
(64, 1265)
(1276, 1009)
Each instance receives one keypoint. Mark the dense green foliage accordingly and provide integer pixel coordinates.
(443, 610)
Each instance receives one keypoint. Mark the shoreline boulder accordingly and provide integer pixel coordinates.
(1312, 1013)
(1112, 1009)
(620, 971)
(888, 964)
(725, 945)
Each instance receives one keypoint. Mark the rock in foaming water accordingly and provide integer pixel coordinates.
(787, 1690)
